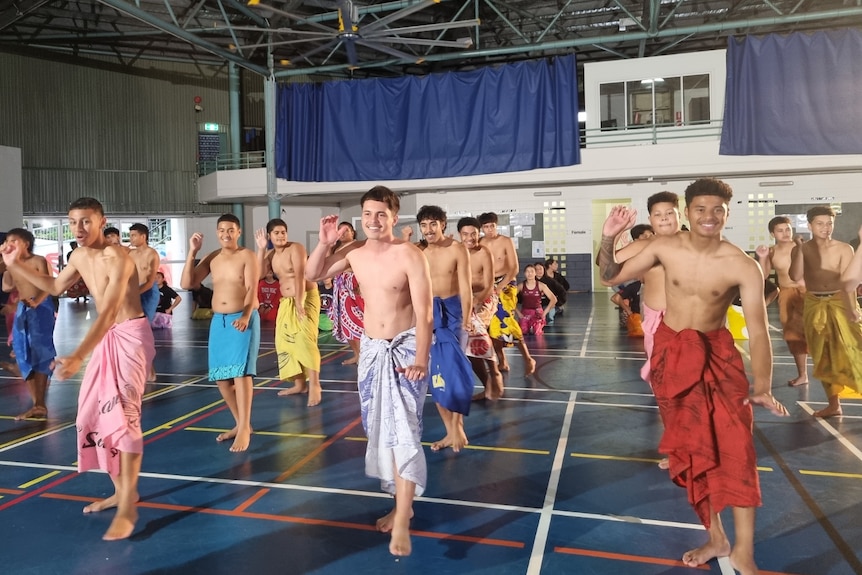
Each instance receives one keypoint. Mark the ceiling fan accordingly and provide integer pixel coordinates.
(377, 35)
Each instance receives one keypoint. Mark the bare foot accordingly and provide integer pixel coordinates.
(530, 367)
(385, 523)
(241, 441)
(743, 562)
(152, 376)
(829, 411)
(102, 504)
(295, 390)
(664, 463)
(35, 411)
(314, 395)
(459, 442)
(705, 553)
(352, 361)
(226, 435)
(442, 444)
(11, 368)
(399, 543)
(121, 527)
(801, 380)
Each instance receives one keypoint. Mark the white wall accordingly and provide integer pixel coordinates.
(12, 214)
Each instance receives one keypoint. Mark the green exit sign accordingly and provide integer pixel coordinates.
(211, 127)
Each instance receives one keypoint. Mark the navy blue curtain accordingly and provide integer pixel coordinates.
(795, 94)
(514, 117)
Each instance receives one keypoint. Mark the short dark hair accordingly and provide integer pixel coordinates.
(819, 211)
(549, 261)
(111, 231)
(639, 230)
(274, 223)
(708, 187)
(87, 204)
(777, 220)
(382, 194)
(23, 234)
(468, 221)
(488, 218)
(229, 218)
(435, 213)
(141, 229)
(662, 198)
(349, 225)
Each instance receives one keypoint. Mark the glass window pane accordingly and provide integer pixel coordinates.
(640, 103)
(613, 106)
(668, 101)
(696, 97)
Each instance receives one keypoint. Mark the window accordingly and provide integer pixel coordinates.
(660, 102)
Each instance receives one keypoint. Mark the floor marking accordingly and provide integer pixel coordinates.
(271, 433)
(831, 474)
(38, 480)
(630, 519)
(538, 552)
(832, 431)
(11, 491)
(33, 437)
(476, 447)
(636, 459)
(625, 405)
(626, 557)
(587, 334)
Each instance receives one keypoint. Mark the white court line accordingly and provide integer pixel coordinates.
(541, 540)
(832, 431)
(587, 333)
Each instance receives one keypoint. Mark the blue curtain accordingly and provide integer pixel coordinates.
(509, 118)
(794, 94)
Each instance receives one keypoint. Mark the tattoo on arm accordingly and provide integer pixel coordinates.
(608, 267)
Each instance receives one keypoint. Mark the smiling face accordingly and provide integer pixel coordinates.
(707, 215)
(86, 225)
(470, 237)
(228, 234)
(432, 230)
(821, 227)
(540, 271)
(378, 220)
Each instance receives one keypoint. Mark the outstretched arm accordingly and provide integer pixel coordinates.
(43, 281)
(619, 219)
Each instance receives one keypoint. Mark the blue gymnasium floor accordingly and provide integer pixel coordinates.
(560, 476)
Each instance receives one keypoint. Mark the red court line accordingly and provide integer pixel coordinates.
(298, 520)
(642, 559)
(625, 557)
(299, 464)
(35, 492)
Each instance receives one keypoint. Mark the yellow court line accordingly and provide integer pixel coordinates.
(831, 474)
(638, 459)
(171, 386)
(38, 480)
(36, 434)
(274, 433)
(479, 447)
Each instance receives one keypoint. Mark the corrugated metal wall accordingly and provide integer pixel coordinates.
(128, 139)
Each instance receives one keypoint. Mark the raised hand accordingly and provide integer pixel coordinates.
(260, 238)
(329, 233)
(195, 242)
(10, 253)
(619, 220)
(406, 233)
(762, 252)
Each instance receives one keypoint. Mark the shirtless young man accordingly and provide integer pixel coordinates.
(147, 262)
(298, 312)
(791, 297)
(698, 376)
(450, 372)
(121, 341)
(832, 329)
(33, 327)
(234, 338)
(393, 365)
(346, 311)
(480, 348)
(112, 236)
(506, 269)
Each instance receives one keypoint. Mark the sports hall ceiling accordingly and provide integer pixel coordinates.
(393, 37)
